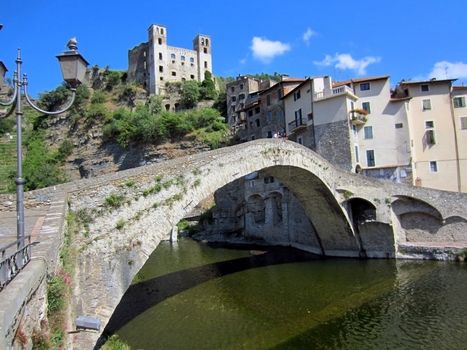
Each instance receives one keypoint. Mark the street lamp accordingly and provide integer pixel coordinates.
(73, 68)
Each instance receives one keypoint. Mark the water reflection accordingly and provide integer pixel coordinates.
(231, 300)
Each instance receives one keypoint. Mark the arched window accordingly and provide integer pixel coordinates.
(182, 58)
(172, 56)
(192, 60)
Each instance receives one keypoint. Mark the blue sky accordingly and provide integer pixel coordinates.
(403, 39)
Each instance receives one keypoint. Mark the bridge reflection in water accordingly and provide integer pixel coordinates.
(284, 300)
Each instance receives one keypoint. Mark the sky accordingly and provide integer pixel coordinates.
(409, 39)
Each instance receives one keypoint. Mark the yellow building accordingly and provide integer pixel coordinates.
(434, 138)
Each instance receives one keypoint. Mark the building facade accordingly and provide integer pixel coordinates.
(154, 63)
(436, 138)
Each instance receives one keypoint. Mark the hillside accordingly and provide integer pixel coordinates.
(112, 126)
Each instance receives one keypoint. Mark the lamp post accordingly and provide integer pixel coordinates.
(73, 67)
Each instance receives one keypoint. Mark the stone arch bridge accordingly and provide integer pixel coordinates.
(128, 213)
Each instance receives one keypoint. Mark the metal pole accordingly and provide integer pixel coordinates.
(19, 160)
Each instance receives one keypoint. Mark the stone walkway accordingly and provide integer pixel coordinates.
(33, 220)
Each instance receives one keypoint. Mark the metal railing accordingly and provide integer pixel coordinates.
(297, 123)
(11, 264)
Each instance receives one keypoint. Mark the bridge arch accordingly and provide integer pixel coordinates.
(162, 194)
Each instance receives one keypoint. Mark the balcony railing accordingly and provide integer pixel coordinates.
(340, 90)
(358, 117)
(296, 124)
(12, 263)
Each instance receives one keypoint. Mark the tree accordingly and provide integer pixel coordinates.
(190, 93)
(208, 88)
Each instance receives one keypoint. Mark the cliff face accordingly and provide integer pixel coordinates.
(91, 156)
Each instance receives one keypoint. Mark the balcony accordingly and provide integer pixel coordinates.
(358, 116)
(296, 125)
(337, 91)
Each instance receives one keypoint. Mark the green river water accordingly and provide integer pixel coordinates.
(190, 295)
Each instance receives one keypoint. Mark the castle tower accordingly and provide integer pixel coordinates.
(202, 46)
(157, 58)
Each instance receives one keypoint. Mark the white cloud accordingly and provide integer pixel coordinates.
(308, 35)
(345, 61)
(448, 70)
(265, 50)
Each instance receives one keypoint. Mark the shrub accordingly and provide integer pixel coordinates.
(190, 93)
(115, 200)
(115, 343)
(41, 166)
(7, 125)
(208, 88)
(96, 111)
(113, 78)
(54, 99)
(98, 97)
(64, 150)
(55, 294)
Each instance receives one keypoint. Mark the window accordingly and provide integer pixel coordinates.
(250, 113)
(433, 167)
(424, 88)
(463, 123)
(241, 86)
(205, 50)
(257, 122)
(192, 77)
(161, 78)
(172, 56)
(252, 137)
(241, 96)
(159, 40)
(459, 102)
(257, 110)
(430, 137)
(366, 107)
(364, 86)
(370, 157)
(426, 104)
(207, 42)
(357, 156)
(300, 140)
(268, 100)
(296, 95)
(399, 125)
(192, 60)
(298, 117)
(160, 55)
(161, 69)
(232, 89)
(269, 117)
(234, 98)
(182, 58)
(269, 134)
(162, 31)
(268, 179)
(354, 129)
(205, 64)
(174, 74)
(368, 132)
(429, 124)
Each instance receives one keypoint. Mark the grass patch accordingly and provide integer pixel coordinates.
(115, 343)
(120, 224)
(115, 200)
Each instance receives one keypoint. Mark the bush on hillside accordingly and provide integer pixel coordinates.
(190, 93)
(141, 125)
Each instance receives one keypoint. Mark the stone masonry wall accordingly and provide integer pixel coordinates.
(332, 142)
